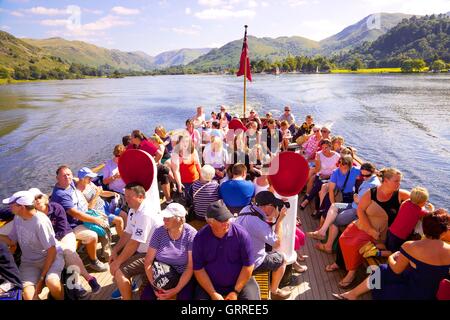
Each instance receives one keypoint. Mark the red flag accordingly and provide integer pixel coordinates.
(245, 60)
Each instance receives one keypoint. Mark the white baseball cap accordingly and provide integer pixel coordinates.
(174, 210)
(24, 198)
(36, 192)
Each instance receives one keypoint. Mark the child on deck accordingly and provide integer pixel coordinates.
(409, 214)
(286, 134)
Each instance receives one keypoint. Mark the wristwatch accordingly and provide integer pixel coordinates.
(236, 291)
(41, 278)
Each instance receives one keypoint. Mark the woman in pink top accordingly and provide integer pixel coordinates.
(310, 147)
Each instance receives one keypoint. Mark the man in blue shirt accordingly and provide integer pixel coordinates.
(258, 220)
(238, 192)
(76, 206)
(223, 258)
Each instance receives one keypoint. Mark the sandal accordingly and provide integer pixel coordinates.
(321, 247)
(346, 284)
(315, 235)
(331, 267)
(303, 204)
(301, 258)
(339, 296)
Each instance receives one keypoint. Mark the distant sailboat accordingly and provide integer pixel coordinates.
(277, 71)
(317, 69)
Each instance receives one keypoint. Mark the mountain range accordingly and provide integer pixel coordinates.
(44, 52)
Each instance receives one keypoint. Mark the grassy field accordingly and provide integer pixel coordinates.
(374, 70)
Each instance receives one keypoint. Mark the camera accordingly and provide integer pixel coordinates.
(282, 205)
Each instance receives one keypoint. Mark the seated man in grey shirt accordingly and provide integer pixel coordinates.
(42, 260)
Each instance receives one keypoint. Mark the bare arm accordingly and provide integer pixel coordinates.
(362, 216)
(151, 253)
(244, 276)
(6, 240)
(331, 186)
(279, 228)
(77, 214)
(205, 282)
(397, 261)
(51, 255)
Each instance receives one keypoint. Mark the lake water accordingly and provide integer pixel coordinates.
(393, 120)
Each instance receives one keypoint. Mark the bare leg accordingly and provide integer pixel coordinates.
(124, 217)
(124, 285)
(331, 216)
(349, 277)
(311, 178)
(332, 235)
(118, 223)
(166, 190)
(28, 292)
(277, 275)
(91, 249)
(360, 289)
(323, 191)
(55, 288)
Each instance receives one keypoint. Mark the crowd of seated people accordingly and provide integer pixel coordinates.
(218, 167)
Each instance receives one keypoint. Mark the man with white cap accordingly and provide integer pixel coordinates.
(42, 260)
(64, 234)
(171, 245)
(75, 205)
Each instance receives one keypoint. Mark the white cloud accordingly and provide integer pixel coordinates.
(17, 14)
(221, 14)
(93, 11)
(107, 22)
(47, 11)
(419, 7)
(264, 4)
(211, 3)
(54, 22)
(252, 4)
(5, 28)
(125, 11)
(191, 31)
(320, 29)
(188, 11)
(296, 3)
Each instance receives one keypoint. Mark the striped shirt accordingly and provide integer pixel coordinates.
(203, 198)
(173, 252)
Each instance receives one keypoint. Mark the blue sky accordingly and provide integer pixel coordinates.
(161, 25)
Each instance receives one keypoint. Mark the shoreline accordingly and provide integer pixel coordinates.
(376, 71)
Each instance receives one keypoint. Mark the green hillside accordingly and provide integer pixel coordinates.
(17, 57)
(260, 48)
(426, 38)
(178, 57)
(368, 29)
(88, 54)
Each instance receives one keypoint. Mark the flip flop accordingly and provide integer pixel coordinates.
(339, 296)
(321, 247)
(301, 258)
(315, 235)
(346, 284)
(334, 267)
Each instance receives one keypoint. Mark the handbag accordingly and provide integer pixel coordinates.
(164, 276)
(93, 226)
(340, 196)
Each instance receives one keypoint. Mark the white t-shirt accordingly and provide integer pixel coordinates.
(327, 165)
(141, 224)
(215, 159)
(109, 170)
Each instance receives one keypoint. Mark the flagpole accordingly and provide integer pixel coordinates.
(245, 76)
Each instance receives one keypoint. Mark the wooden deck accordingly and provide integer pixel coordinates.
(313, 284)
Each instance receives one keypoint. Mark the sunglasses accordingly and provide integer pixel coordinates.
(38, 197)
(366, 175)
(324, 130)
